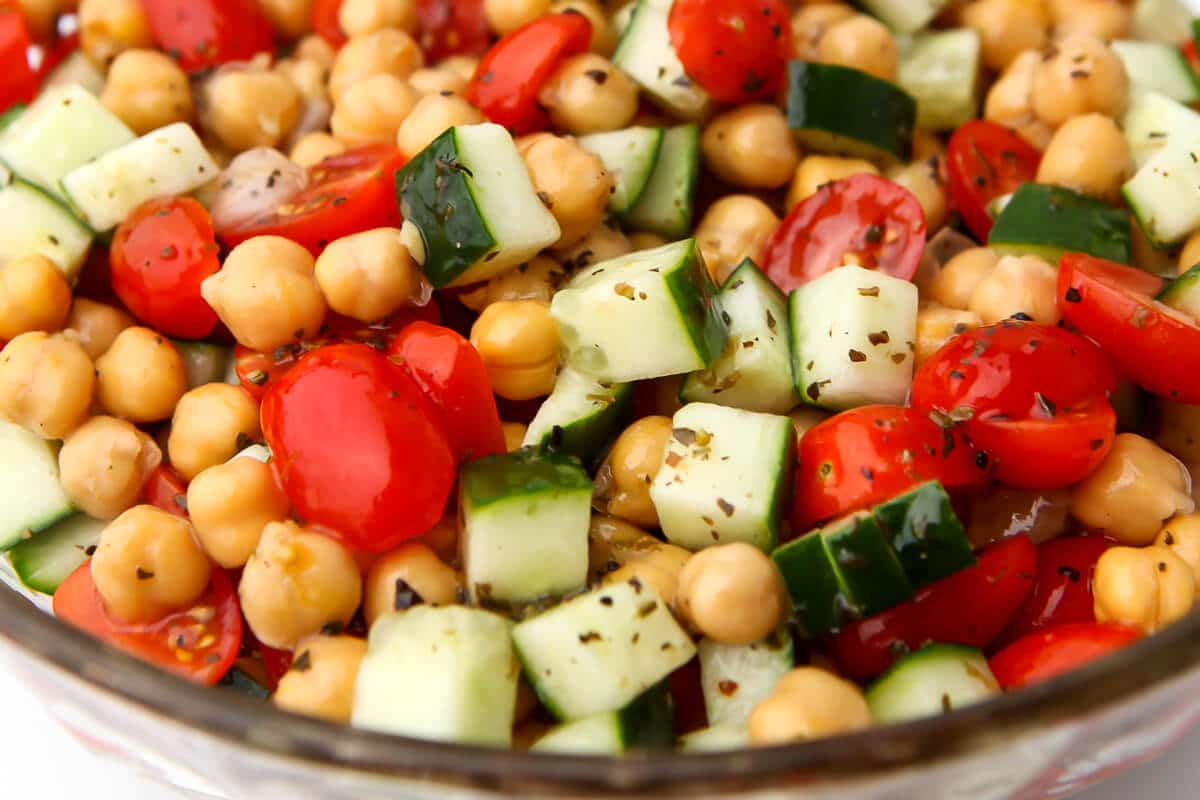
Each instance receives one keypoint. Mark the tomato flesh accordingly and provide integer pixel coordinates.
(1044, 654)
(452, 28)
(737, 50)
(20, 80)
(200, 34)
(1062, 591)
(984, 161)
(325, 21)
(165, 489)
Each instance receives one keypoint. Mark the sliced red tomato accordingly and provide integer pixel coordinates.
(737, 50)
(510, 75)
(1189, 53)
(1062, 592)
(1042, 655)
(451, 373)
(199, 644)
(207, 33)
(452, 28)
(970, 607)
(863, 219)
(165, 489)
(1153, 345)
(325, 21)
(870, 454)
(20, 79)
(985, 161)
(357, 447)
(347, 193)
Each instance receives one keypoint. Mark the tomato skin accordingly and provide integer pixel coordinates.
(451, 373)
(855, 459)
(871, 218)
(165, 489)
(453, 27)
(985, 160)
(970, 607)
(1044, 654)
(325, 21)
(1062, 591)
(687, 694)
(357, 447)
(78, 603)
(737, 50)
(510, 75)
(207, 33)
(20, 82)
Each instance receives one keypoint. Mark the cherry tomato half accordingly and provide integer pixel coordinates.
(200, 648)
(357, 447)
(737, 50)
(1062, 592)
(863, 219)
(165, 489)
(325, 21)
(985, 161)
(1045, 654)
(20, 80)
(207, 33)
(452, 27)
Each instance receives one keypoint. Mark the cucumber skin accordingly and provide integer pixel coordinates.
(529, 471)
(818, 597)
(925, 533)
(1047, 219)
(860, 106)
(648, 723)
(585, 439)
(870, 568)
(695, 295)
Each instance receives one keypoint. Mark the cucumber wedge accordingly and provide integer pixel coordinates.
(33, 222)
(630, 156)
(941, 70)
(1183, 293)
(1158, 67)
(1048, 221)
(904, 16)
(736, 678)
(666, 205)
(934, 680)
(646, 54)
(647, 723)
(32, 499)
(46, 560)
(715, 739)
(1164, 195)
(928, 538)
(580, 416)
(1152, 120)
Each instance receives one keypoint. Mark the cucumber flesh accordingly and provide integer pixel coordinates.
(44, 561)
(941, 70)
(665, 206)
(1158, 67)
(646, 723)
(580, 416)
(32, 498)
(646, 54)
(934, 680)
(736, 678)
(1183, 293)
(1152, 120)
(715, 739)
(630, 156)
(1164, 195)
(33, 222)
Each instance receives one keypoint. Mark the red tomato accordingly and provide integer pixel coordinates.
(1153, 345)
(970, 607)
(737, 50)
(1189, 53)
(1033, 397)
(1062, 592)
(453, 27)
(687, 693)
(984, 161)
(864, 218)
(870, 454)
(1045, 654)
(325, 21)
(347, 193)
(506, 83)
(165, 489)
(357, 447)
(20, 81)
(207, 33)
(193, 647)
(452, 375)
(160, 255)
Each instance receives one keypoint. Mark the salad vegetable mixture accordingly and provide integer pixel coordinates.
(582, 377)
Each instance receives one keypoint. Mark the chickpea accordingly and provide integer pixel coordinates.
(1179, 430)
(1009, 100)
(809, 24)
(808, 703)
(1088, 154)
(314, 48)
(587, 94)
(1137, 488)
(250, 108)
(361, 17)
(572, 182)
(410, 574)
(108, 28)
(1182, 537)
(291, 18)
(1143, 587)
(230, 504)
(307, 76)
(637, 554)
(367, 275)
(1078, 75)
(1006, 28)
(1103, 19)
(536, 280)
(734, 228)
(816, 171)
(732, 593)
(636, 458)
(957, 280)
(438, 80)
(463, 66)
(296, 583)
(147, 564)
(147, 90)
(518, 341)
(103, 465)
(209, 424)
(514, 435)
(388, 51)
(604, 35)
(373, 109)
(505, 16)
(266, 293)
(863, 43)
(34, 296)
(95, 325)
(313, 148)
(1189, 256)
(926, 184)
(1017, 285)
(141, 377)
(41, 15)
(322, 678)
(642, 240)
(603, 242)
(431, 116)
(46, 383)
(938, 324)
(659, 570)
(751, 146)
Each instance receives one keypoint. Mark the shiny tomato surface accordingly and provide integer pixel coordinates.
(200, 34)
(984, 161)
(1062, 592)
(737, 50)
(452, 28)
(1053, 651)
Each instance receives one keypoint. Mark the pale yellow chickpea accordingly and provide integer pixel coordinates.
(636, 554)
(410, 574)
(937, 324)
(925, 182)
(322, 678)
(210, 425)
(103, 465)
(1077, 75)
(635, 459)
(308, 76)
(1182, 537)
(291, 18)
(644, 240)
(360, 17)
(1179, 430)
(604, 35)
(96, 325)
(863, 43)
(463, 66)
(250, 108)
(587, 94)
(658, 568)
(367, 275)
(141, 377)
(808, 703)
(40, 15)
(147, 90)
(519, 344)
(388, 51)
(314, 48)
(108, 28)
(147, 564)
(953, 284)
(1104, 19)
(571, 182)
(816, 171)
(46, 383)
(34, 296)
(603, 242)
(372, 110)
(734, 228)
(732, 593)
(809, 24)
(266, 293)
(1017, 285)
(230, 504)
(313, 148)
(1006, 28)
(751, 146)
(505, 16)
(536, 280)
(1009, 100)
(1133, 492)
(1143, 587)
(437, 80)
(1189, 255)
(1088, 154)
(432, 116)
(514, 435)
(296, 583)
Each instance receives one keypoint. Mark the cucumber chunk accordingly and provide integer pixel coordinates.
(940, 69)
(934, 680)
(904, 16)
(1152, 120)
(926, 534)
(1166, 21)
(666, 205)
(33, 498)
(1183, 293)
(44, 561)
(715, 739)
(580, 416)
(630, 156)
(1048, 221)
(33, 222)
(646, 54)
(1158, 67)
(647, 723)
(736, 678)
(1164, 195)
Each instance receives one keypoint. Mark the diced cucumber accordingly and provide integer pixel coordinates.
(525, 526)
(647, 723)
(643, 315)
(923, 529)
(33, 222)
(934, 680)
(1152, 120)
(77, 69)
(1158, 67)
(1166, 21)
(10, 116)
(754, 372)
(205, 362)
(1164, 194)
(1048, 221)
(853, 331)
(724, 478)
(242, 683)
(715, 739)
(1183, 293)
(580, 416)
(31, 499)
(836, 109)
(737, 677)
(904, 16)
(629, 155)
(444, 673)
(44, 561)
(665, 206)
(819, 596)
(598, 651)
(941, 70)
(646, 54)
(471, 198)
(65, 128)
(169, 161)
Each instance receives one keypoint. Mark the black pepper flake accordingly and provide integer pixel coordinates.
(867, 473)
(857, 356)
(728, 320)
(303, 662)
(406, 596)
(770, 320)
(545, 198)
(1021, 315)
(981, 460)
(636, 583)
(878, 338)
(727, 688)
(647, 608)
(589, 637)
(334, 628)
(1072, 295)
(144, 575)
(814, 389)
(605, 600)
(946, 703)
(598, 75)
(869, 291)
(1096, 444)
(874, 234)
(726, 507)
(1162, 566)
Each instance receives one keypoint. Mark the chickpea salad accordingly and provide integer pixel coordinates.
(602, 377)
